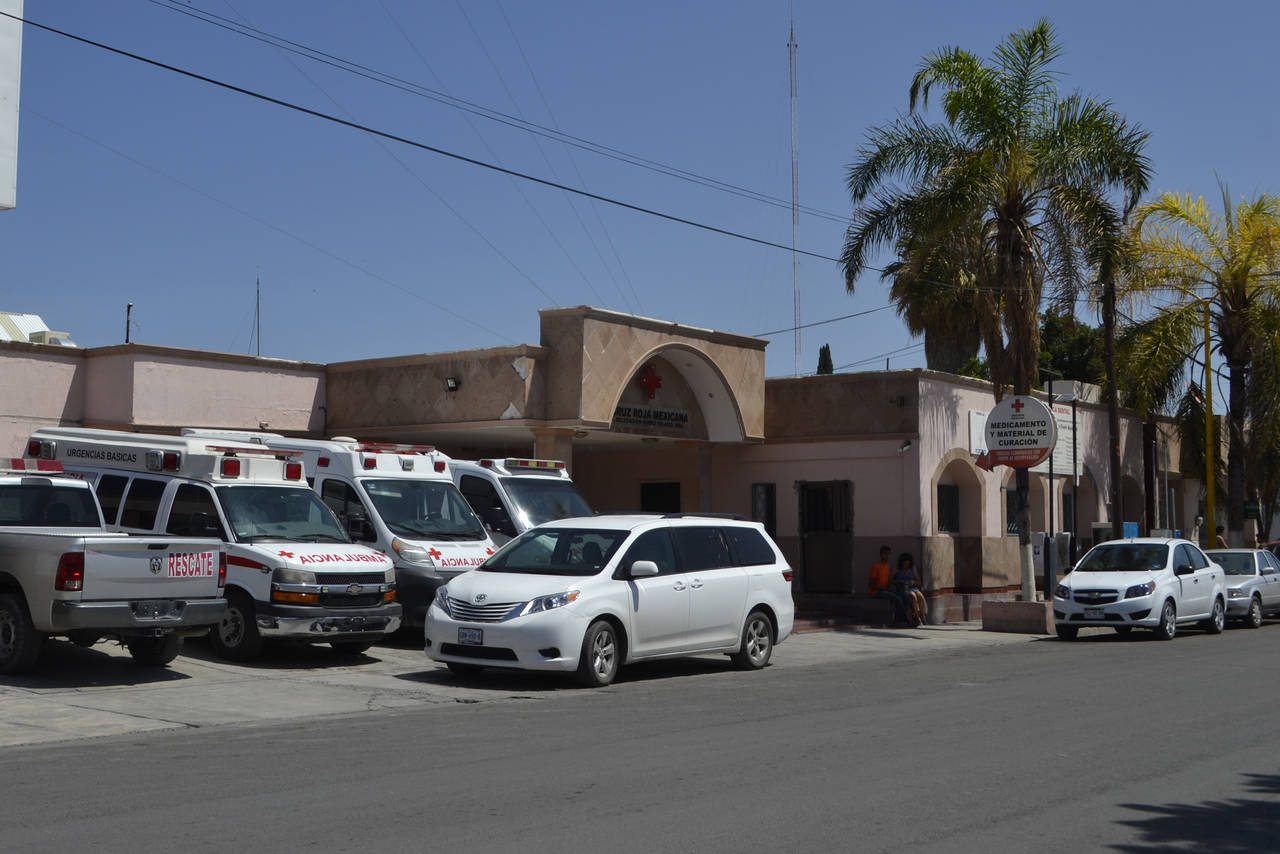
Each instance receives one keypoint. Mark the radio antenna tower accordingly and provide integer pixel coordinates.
(795, 189)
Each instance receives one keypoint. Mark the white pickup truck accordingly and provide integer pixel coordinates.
(61, 573)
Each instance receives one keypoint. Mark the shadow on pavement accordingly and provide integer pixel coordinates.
(1225, 827)
(284, 655)
(65, 665)
(506, 681)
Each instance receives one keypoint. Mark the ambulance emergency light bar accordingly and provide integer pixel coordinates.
(513, 463)
(374, 448)
(20, 465)
(230, 463)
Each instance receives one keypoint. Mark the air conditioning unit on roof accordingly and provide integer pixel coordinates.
(55, 339)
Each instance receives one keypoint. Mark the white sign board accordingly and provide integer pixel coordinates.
(10, 75)
(1062, 451)
(977, 433)
(1020, 432)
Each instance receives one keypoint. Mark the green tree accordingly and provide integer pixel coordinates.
(1190, 256)
(1071, 348)
(825, 365)
(1032, 167)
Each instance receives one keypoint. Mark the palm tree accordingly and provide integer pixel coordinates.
(1032, 166)
(1191, 256)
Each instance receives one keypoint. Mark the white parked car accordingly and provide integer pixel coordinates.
(587, 595)
(1144, 583)
(1253, 583)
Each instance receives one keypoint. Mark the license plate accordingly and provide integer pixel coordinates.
(471, 637)
(153, 609)
(1093, 614)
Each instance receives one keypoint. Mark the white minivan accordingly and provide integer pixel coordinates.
(586, 595)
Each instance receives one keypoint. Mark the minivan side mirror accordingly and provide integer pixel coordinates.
(643, 569)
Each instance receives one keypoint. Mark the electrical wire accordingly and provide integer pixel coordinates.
(231, 87)
(821, 322)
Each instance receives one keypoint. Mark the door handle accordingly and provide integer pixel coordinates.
(696, 584)
(679, 585)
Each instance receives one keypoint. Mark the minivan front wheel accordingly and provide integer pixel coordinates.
(757, 643)
(598, 664)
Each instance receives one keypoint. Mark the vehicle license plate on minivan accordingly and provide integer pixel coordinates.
(473, 637)
(1093, 613)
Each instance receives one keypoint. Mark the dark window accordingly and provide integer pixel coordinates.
(1011, 512)
(1180, 556)
(748, 547)
(342, 500)
(660, 497)
(56, 505)
(701, 548)
(1068, 512)
(110, 489)
(764, 506)
(142, 503)
(651, 545)
(1198, 560)
(194, 513)
(948, 508)
(484, 499)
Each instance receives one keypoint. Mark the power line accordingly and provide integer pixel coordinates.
(413, 143)
(900, 351)
(822, 322)
(498, 116)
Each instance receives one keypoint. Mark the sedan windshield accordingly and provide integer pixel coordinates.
(545, 500)
(1234, 563)
(424, 509)
(292, 513)
(557, 551)
(1125, 557)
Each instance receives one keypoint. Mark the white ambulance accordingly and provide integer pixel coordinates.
(398, 499)
(513, 495)
(292, 572)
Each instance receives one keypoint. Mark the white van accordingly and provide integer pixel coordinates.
(513, 495)
(292, 572)
(398, 499)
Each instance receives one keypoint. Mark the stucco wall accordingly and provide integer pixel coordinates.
(39, 386)
(882, 403)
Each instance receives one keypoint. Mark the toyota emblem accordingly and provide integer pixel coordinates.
(480, 597)
(156, 565)
(354, 588)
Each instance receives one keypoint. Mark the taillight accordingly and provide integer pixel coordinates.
(323, 462)
(172, 460)
(222, 570)
(230, 467)
(41, 450)
(70, 572)
(486, 464)
(33, 448)
(293, 471)
(440, 465)
(786, 574)
(370, 462)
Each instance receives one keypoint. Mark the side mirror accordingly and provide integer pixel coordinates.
(201, 525)
(1183, 568)
(643, 569)
(359, 529)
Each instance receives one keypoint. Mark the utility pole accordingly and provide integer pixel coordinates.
(795, 190)
(128, 319)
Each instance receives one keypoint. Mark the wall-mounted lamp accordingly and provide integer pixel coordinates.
(905, 446)
(452, 383)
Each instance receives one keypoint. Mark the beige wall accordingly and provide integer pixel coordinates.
(39, 386)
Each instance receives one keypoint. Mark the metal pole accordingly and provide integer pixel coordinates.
(1050, 580)
(128, 315)
(1210, 455)
(1075, 489)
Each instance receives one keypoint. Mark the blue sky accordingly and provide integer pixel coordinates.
(137, 185)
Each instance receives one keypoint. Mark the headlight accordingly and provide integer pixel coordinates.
(1235, 593)
(1063, 592)
(411, 554)
(1140, 590)
(442, 600)
(547, 603)
(292, 576)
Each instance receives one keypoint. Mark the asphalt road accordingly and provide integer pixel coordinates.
(1106, 744)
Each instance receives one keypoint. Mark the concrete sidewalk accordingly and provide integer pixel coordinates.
(85, 693)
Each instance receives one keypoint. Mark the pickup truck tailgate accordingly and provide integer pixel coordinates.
(128, 568)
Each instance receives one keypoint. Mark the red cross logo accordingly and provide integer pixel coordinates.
(434, 552)
(1018, 406)
(651, 381)
(285, 554)
(488, 551)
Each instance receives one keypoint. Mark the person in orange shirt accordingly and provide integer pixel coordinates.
(878, 584)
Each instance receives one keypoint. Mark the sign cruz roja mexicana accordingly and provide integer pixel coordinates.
(1020, 432)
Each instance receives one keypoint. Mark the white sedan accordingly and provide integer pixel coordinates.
(1144, 583)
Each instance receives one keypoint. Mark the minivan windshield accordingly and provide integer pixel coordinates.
(545, 500)
(293, 513)
(1234, 563)
(557, 551)
(1125, 557)
(424, 509)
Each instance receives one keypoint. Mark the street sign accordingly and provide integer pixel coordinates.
(1020, 433)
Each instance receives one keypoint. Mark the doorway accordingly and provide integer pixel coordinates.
(660, 497)
(826, 536)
